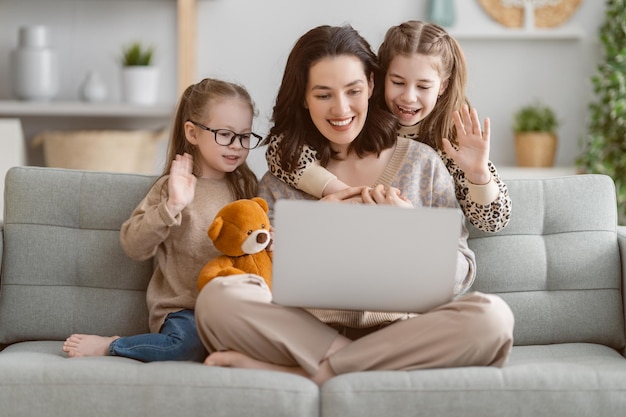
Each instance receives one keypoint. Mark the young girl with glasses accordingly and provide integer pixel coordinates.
(423, 71)
(207, 169)
(324, 102)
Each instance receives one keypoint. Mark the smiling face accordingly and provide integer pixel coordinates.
(224, 113)
(412, 87)
(337, 95)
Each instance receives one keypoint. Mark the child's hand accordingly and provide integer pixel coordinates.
(347, 195)
(390, 196)
(472, 157)
(181, 184)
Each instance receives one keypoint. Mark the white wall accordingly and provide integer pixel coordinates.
(247, 41)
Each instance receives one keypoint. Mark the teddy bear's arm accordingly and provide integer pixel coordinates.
(230, 270)
(213, 269)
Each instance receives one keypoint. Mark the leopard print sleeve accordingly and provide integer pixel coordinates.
(309, 176)
(490, 217)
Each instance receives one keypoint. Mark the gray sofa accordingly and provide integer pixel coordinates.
(559, 264)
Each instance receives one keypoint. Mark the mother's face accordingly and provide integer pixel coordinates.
(337, 97)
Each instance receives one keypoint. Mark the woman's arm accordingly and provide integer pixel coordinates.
(426, 182)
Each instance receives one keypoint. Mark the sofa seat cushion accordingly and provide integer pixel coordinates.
(37, 378)
(577, 379)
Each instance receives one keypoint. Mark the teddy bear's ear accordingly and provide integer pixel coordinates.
(261, 202)
(215, 228)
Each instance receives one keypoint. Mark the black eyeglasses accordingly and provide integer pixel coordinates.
(226, 137)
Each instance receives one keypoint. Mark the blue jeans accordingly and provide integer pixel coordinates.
(177, 340)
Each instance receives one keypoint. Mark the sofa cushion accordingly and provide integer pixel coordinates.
(557, 263)
(565, 380)
(64, 269)
(37, 381)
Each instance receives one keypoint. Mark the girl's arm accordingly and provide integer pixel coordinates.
(309, 176)
(482, 195)
(487, 207)
(149, 224)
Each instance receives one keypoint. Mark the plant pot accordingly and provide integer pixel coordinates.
(535, 149)
(140, 84)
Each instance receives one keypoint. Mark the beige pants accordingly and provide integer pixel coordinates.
(237, 313)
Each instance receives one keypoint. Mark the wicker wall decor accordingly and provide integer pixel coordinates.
(550, 15)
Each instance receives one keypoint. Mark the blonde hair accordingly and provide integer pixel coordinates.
(195, 102)
(417, 37)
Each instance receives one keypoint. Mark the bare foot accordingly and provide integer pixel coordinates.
(232, 359)
(79, 345)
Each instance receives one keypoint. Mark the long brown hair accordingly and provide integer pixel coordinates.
(416, 37)
(293, 121)
(194, 103)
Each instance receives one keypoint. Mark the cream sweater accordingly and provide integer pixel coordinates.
(421, 176)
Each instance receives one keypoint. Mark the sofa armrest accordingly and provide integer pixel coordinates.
(621, 240)
(1, 247)
(1, 260)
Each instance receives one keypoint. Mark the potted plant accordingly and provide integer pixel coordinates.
(535, 126)
(139, 77)
(604, 146)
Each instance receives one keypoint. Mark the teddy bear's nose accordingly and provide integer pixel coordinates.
(261, 238)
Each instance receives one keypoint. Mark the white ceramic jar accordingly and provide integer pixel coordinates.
(34, 66)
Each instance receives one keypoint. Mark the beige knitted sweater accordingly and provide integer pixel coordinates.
(417, 170)
(180, 245)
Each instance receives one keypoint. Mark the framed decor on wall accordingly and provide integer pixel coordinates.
(544, 13)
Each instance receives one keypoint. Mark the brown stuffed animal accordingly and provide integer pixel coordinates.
(240, 231)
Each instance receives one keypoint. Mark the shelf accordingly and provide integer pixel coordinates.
(561, 34)
(82, 109)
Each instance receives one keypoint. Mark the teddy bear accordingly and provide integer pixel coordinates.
(240, 231)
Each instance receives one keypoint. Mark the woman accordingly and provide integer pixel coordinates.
(323, 102)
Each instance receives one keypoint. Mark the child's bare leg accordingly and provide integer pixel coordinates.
(79, 345)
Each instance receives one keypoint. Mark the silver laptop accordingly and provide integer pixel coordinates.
(364, 257)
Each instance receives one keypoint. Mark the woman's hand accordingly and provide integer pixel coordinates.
(181, 184)
(270, 247)
(472, 157)
(389, 196)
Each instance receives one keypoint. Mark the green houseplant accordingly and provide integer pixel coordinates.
(604, 146)
(535, 127)
(135, 54)
(140, 77)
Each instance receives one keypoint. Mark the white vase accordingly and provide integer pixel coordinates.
(34, 66)
(140, 84)
(93, 88)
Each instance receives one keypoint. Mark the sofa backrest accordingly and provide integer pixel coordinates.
(64, 270)
(557, 263)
